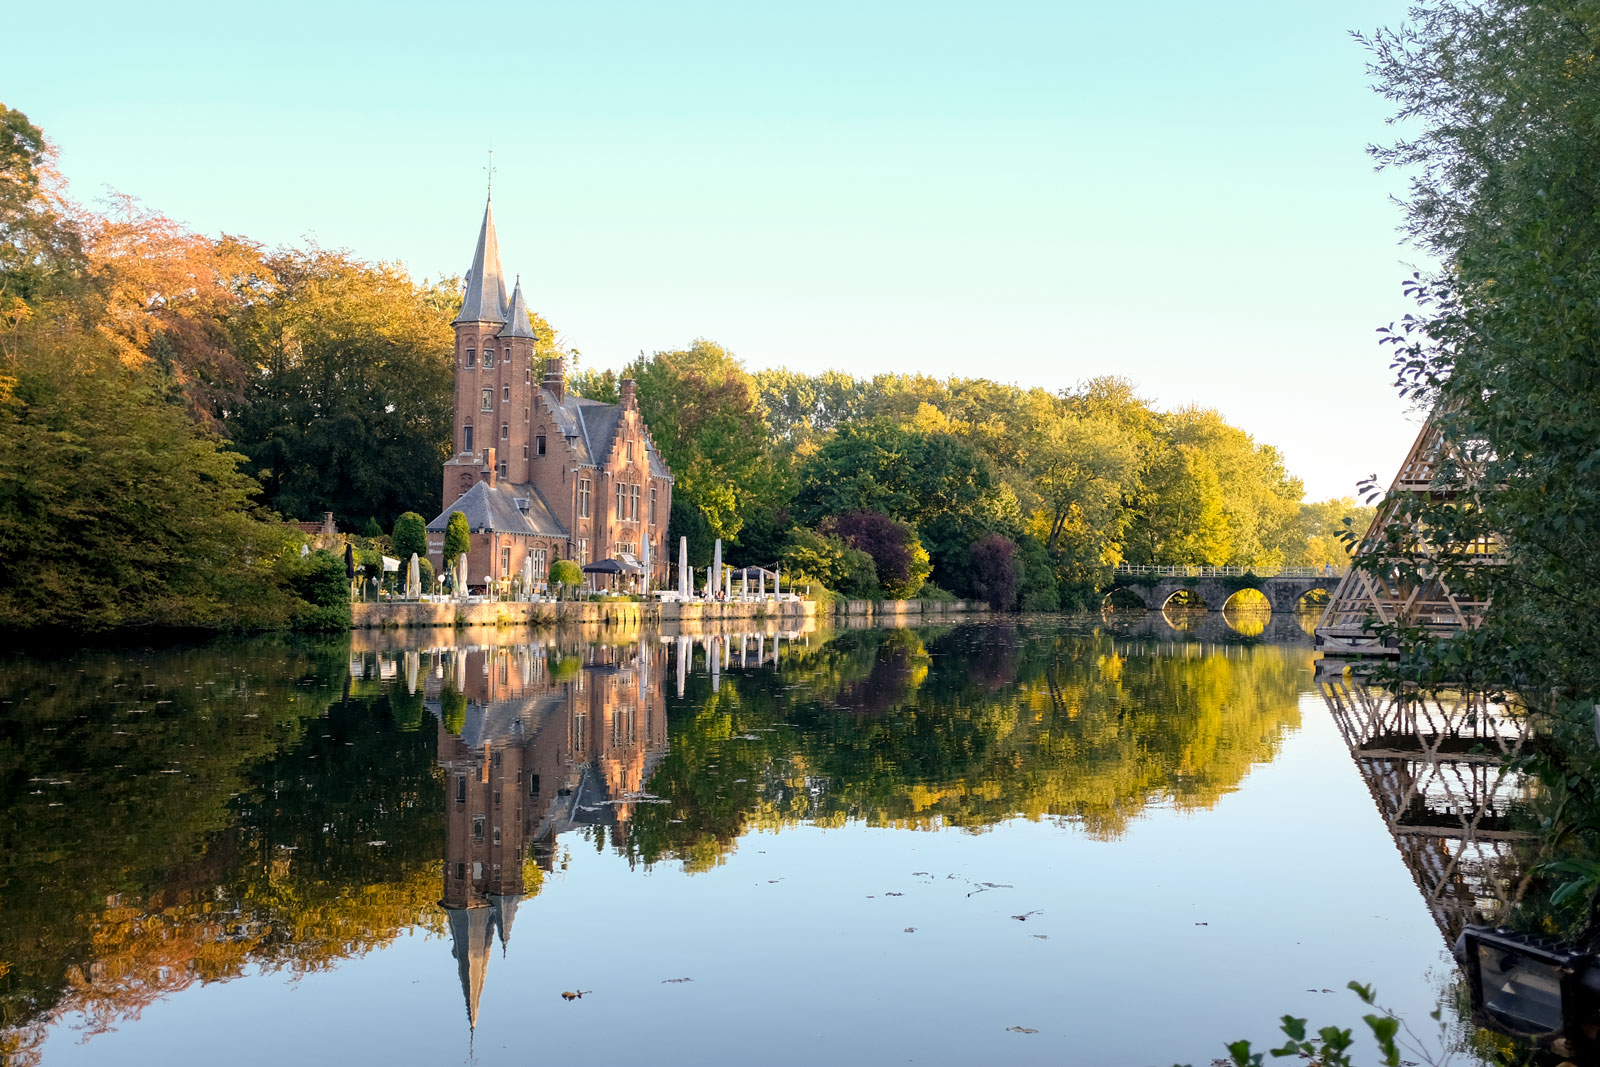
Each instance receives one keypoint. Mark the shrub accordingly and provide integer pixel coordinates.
(410, 535)
(829, 560)
(900, 562)
(565, 575)
(319, 581)
(994, 570)
(457, 537)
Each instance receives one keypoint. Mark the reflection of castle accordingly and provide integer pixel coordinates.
(544, 745)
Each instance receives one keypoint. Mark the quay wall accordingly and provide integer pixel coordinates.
(628, 613)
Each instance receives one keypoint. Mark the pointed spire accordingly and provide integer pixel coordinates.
(518, 324)
(486, 284)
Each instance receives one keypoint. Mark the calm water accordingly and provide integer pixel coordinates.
(870, 846)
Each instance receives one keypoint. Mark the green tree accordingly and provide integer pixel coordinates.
(410, 535)
(705, 416)
(1505, 346)
(823, 558)
(457, 538)
(936, 482)
(348, 406)
(565, 576)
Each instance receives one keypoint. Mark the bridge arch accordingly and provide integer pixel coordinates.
(1188, 598)
(1124, 598)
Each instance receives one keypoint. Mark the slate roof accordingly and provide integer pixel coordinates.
(486, 284)
(518, 324)
(593, 425)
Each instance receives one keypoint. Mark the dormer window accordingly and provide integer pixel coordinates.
(472, 357)
(488, 358)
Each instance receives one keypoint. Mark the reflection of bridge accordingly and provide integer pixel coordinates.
(1434, 766)
(1215, 627)
(1212, 587)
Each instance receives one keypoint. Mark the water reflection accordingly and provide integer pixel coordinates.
(532, 742)
(1437, 768)
(173, 818)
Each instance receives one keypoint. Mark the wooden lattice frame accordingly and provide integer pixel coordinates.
(1363, 597)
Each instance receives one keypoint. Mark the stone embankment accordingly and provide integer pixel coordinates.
(622, 612)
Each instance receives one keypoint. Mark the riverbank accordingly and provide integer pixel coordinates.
(405, 614)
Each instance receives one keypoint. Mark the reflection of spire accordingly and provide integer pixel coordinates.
(505, 909)
(471, 933)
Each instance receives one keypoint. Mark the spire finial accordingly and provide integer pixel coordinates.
(490, 170)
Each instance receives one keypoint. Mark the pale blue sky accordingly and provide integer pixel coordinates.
(1038, 193)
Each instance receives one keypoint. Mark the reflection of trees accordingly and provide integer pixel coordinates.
(965, 728)
(201, 824)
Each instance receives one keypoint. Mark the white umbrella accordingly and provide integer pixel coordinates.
(744, 584)
(413, 578)
(527, 573)
(716, 568)
(683, 568)
(646, 587)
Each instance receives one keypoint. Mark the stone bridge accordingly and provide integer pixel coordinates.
(1214, 586)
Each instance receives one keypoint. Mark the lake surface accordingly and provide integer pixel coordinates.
(1042, 841)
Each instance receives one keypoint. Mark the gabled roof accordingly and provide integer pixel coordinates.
(589, 423)
(486, 285)
(518, 323)
(486, 509)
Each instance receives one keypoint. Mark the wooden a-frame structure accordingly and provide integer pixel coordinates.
(1364, 597)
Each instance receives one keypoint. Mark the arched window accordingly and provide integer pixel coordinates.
(488, 358)
(488, 400)
(466, 437)
(472, 357)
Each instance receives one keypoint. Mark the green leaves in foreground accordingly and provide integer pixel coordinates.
(1331, 1045)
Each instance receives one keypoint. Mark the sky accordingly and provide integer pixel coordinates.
(1038, 193)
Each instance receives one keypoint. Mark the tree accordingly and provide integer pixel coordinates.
(348, 406)
(939, 484)
(1501, 99)
(994, 571)
(1036, 579)
(900, 562)
(565, 576)
(1181, 516)
(826, 559)
(410, 536)
(457, 538)
(705, 416)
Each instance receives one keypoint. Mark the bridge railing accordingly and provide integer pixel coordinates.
(1158, 570)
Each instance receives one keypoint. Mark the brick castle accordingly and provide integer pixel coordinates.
(540, 474)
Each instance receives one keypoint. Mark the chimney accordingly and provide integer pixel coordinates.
(555, 377)
(487, 473)
(627, 391)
